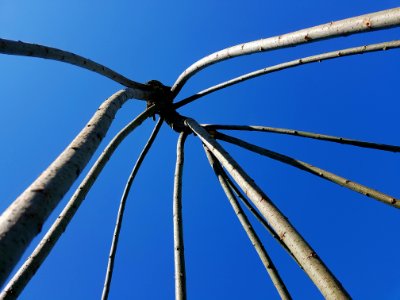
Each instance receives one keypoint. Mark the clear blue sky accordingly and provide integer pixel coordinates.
(46, 103)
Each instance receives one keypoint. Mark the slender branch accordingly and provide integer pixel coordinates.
(256, 214)
(179, 250)
(28, 269)
(326, 282)
(121, 209)
(374, 21)
(23, 219)
(252, 235)
(311, 135)
(27, 49)
(313, 170)
(291, 64)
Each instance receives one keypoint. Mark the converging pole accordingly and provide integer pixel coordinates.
(31, 265)
(179, 251)
(24, 218)
(121, 209)
(252, 235)
(322, 277)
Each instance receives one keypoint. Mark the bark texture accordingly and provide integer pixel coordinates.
(374, 21)
(34, 50)
(318, 272)
(311, 135)
(179, 250)
(121, 209)
(28, 269)
(290, 64)
(24, 218)
(252, 235)
(362, 189)
(247, 203)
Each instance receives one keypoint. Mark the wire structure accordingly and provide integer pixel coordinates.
(18, 227)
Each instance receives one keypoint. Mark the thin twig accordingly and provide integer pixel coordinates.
(252, 235)
(29, 268)
(34, 50)
(362, 189)
(311, 135)
(369, 22)
(121, 209)
(290, 64)
(179, 250)
(318, 272)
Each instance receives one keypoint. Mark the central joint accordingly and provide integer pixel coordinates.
(162, 99)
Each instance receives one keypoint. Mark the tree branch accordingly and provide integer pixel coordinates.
(305, 134)
(34, 50)
(118, 224)
(313, 170)
(179, 250)
(17, 224)
(291, 64)
(326, 282)
(252, 235)
(257, 214)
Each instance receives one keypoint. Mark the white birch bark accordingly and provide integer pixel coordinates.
(374, 21)
(318, 272)
(24, 218)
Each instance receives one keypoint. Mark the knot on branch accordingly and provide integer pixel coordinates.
(162, 99)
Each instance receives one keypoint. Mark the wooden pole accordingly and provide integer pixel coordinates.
(179, 251)
(121, 209)
(252, 235)
(318, 272)
(12, 251)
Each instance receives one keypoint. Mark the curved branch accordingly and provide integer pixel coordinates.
(252, 235)
(374, 21)
(318, 272)
(27, 49)
(291, 64)
(118, 224)
(313, 170)
(179, 250)
(311, 135)
(28, 269)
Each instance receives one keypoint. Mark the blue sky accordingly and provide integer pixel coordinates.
(46, 103)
